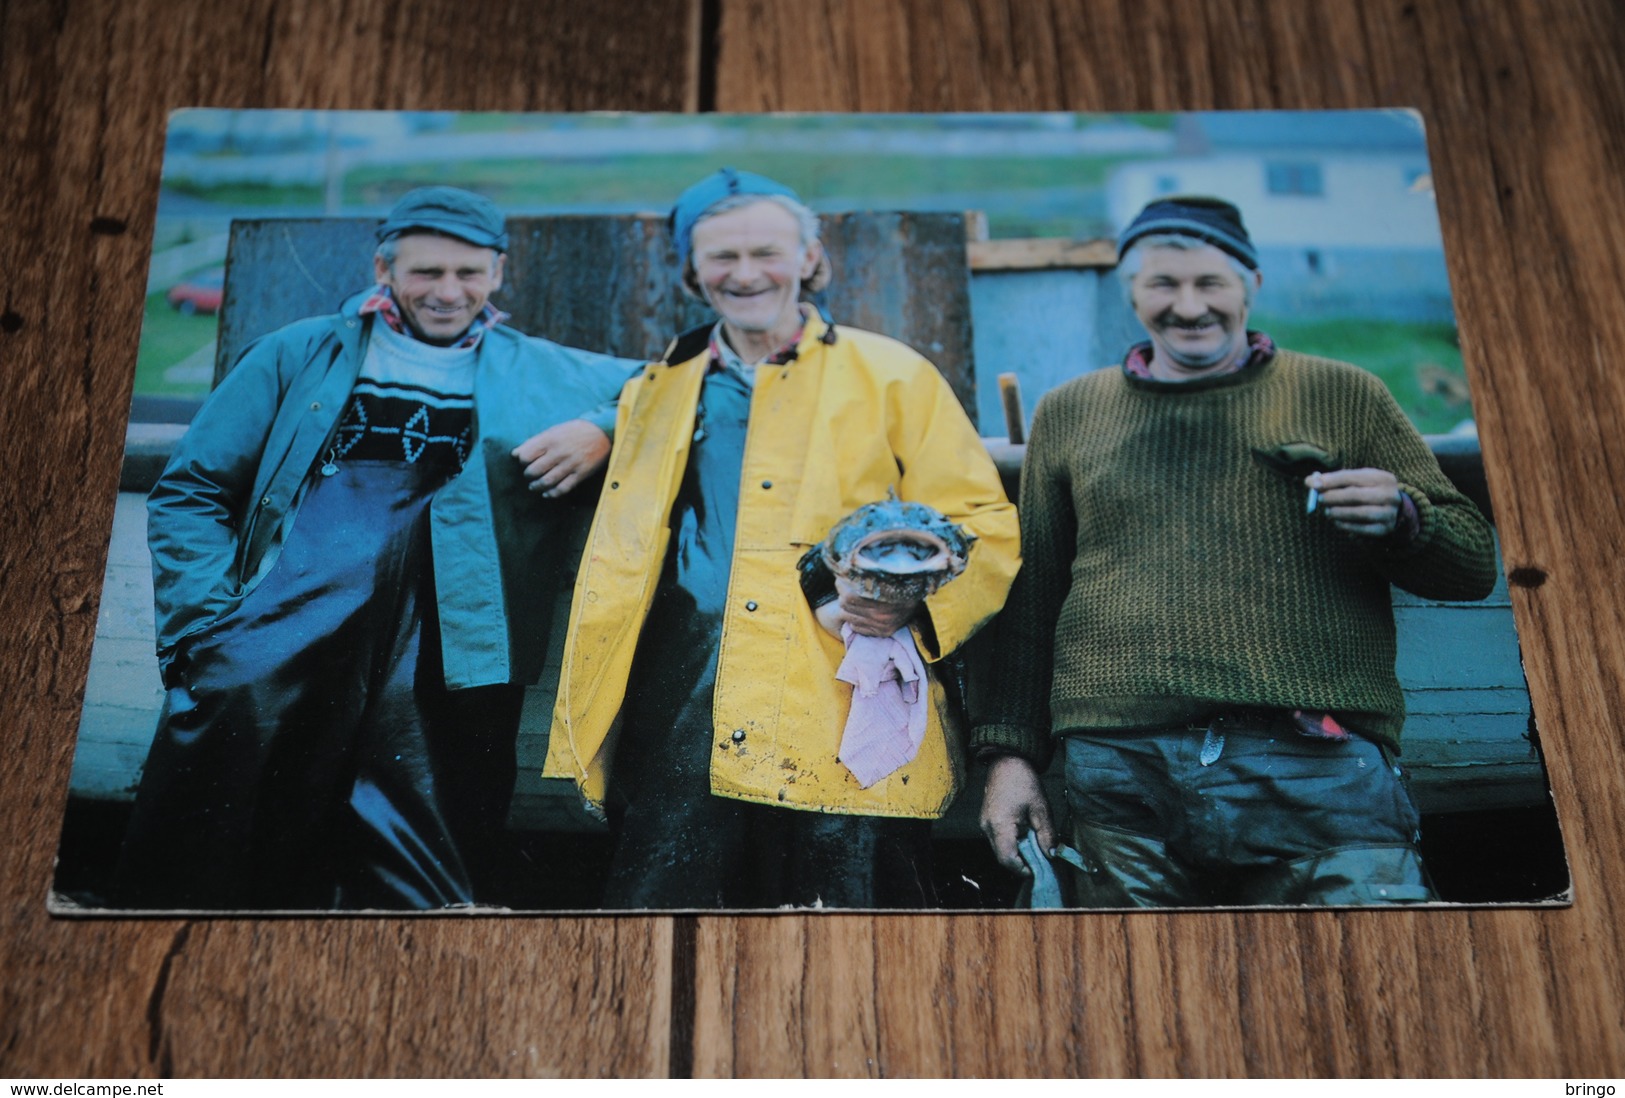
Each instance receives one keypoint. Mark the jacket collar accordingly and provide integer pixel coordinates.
(689, 345)
(355, 326)
(817, 329)
(382, 303)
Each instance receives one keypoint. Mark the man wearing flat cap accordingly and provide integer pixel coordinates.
(349, 571)
(699, 698)
(1202, 624)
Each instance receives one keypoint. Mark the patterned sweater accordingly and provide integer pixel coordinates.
(1170, 570)
(413, 402)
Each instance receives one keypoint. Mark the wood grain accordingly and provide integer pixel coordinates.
(1038, 254)
(1526, 106)
(87, 87)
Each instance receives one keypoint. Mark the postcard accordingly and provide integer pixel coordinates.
(620, 513)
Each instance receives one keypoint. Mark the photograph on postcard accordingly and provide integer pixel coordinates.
(552, 513)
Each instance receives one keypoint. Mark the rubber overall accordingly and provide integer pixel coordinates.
(678, 845)
(302, 756)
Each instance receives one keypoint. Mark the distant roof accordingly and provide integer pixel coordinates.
(1216, 131)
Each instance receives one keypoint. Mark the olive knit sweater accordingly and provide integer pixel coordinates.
(1170, 571)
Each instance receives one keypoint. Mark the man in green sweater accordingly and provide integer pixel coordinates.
(1203, 618)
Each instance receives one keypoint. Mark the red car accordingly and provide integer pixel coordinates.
(198, 294)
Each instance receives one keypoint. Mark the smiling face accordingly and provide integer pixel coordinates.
(440, 284)
(750, 262)
(1194, 304)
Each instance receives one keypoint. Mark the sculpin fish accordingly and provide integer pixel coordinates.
(896, 551)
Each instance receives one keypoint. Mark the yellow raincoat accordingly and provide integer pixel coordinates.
(829, 432)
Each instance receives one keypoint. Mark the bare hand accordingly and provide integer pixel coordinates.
(1013, 804)
(562, 456)
(1362, 502)
(869, 617)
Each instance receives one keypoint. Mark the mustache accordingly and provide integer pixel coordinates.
(1208, 319)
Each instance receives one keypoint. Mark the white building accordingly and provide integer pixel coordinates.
(1339, 203)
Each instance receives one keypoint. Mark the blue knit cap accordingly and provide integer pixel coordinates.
(1210, 220)
(694, 202)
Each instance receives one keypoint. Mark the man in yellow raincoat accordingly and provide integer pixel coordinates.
(698, 700)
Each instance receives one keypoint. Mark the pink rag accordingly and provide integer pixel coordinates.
(886, 726)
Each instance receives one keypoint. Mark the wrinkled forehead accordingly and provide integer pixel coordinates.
(745, 219)
(427, 245)
(1190, 258)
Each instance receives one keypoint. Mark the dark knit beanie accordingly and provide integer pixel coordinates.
(1210, 220)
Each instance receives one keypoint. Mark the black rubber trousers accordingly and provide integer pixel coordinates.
(309, 755)
(678, 845)
(1257, 816)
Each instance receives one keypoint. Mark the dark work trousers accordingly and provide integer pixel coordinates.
(309, 755)
(678, 845)
(1259, 816)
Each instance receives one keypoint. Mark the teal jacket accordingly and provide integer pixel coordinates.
(218, 514)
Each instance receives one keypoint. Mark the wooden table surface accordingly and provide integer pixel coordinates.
(1526, 105)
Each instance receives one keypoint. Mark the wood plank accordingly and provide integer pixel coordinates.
(1522, 99)
(1039, 254)
(901, 273)
(1518, 96)
(87, 87)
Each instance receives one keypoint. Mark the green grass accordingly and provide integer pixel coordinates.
(1420, 363)
(655, 181)
(765, 124)
(167, 338)
(251, 194)
(1151, 121)
(878, 180)
(873, 176)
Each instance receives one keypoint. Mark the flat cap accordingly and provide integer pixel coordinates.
(450, 211)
